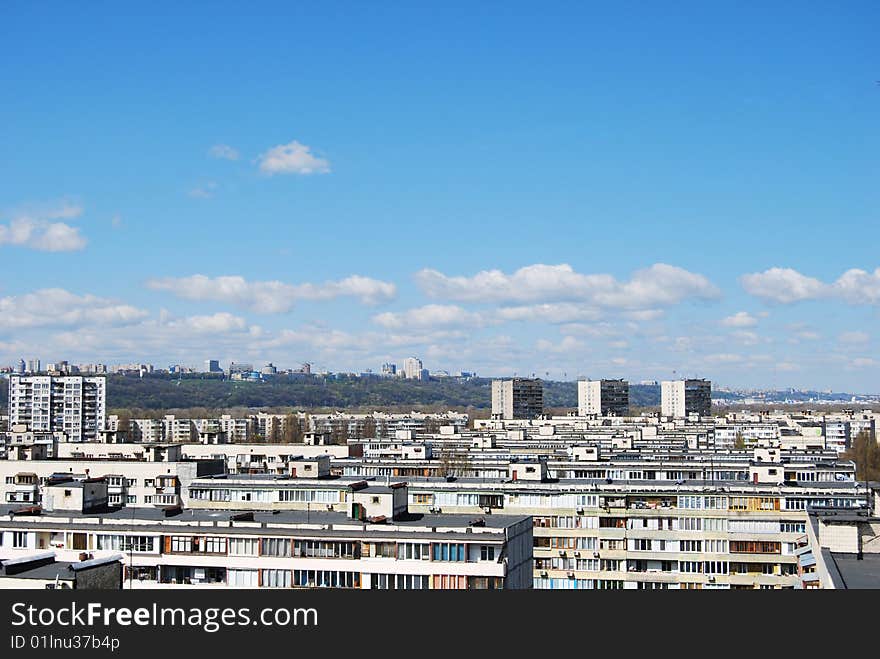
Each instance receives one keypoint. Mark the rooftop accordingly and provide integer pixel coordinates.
(853, 572)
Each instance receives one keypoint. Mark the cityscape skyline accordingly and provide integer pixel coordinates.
(643, 202)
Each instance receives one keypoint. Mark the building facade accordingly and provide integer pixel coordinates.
(75, 405)
(681, 398)
(603, 397)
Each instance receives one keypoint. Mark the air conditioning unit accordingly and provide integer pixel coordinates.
(711, 579)
(595, 554)
(577, 554)
(571, 575)
(580, 511)
(562, 552)
(544, 573)
(487, 510)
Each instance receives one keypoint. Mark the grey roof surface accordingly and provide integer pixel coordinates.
(289, 522)
(855, 573)
(61, 569)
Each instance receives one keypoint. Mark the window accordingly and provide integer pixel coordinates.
(754, 547)
(688, 546)
(243, 546)
(450, 582)
(400, 581)
(19, 539)
(243, 578)
(183, 544)
(445, 551)
(215, 545)
(275, 578)
(487, 552)
(413, 551)
(275, 547)
(326, 579)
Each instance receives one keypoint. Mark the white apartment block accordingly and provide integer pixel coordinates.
(75, 405)
(603, 397)
(517, 398)
(412, 368)
(374, 544)
(681, 398)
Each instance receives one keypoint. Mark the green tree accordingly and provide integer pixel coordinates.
(865, 452)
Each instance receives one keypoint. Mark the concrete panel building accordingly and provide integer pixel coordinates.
(680, 398)
(603, 397)
(517, 398)
(73, 404)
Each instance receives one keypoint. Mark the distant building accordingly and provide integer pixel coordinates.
(33, 366)
(389, 369)
(20, 369)
(212, 366)
(269, 369)
(680, 398)
(603, 397)
(517, 398)
(412, 368)
(240, 368)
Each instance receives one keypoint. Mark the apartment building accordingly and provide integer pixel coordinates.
(619, 524)
(75, 405)
(841, 548)
(374, 544)
(517, 398)
(412, 368)
(137, 475)
(682, 398)
(603, 397)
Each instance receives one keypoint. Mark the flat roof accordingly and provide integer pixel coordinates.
(60, 569)
(856, 573)
(304, 523)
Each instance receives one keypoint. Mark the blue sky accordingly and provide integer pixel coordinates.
(608, 189)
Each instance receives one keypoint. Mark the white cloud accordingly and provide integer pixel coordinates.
(864, 362)
(749, 338)
(645, 315)
(272, 296)
(740, 319)
(559, 312)
(431, 315)
(782, 285)
(223, 152)
(204, 191)
(859, 287)
(54, 307)
(218, 322)
(723, 358)
(40, 230)
(658, 285)
(292, 158)
(568, 344)
(785, 286)
(854, 337)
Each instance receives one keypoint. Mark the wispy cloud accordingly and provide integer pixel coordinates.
(272, 296)
(204, 191)
(223, 152)
(292, 158)
(740, 319)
